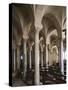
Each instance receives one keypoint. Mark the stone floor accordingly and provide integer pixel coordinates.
(48, 76)
(45, 78)
(18, 82)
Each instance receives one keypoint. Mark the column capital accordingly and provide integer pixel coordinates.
(25, 37)
(42, 47)
(31, 44)
(38, 28)
(26, 31)
(18, 43)
(13, 44)
(30, 47)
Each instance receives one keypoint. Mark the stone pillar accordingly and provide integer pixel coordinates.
(30, 66)
(46, 47)
(37, 59)
(25, 56)
(18, 58)
(60, 54)
(42, 47)
(25, 38)
(46, 55)
(62, 61)
(14, 59)
(41, 59)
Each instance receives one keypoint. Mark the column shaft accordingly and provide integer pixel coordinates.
(62, 61)
(14, 61)
(18, 58)
(46, 56)
(41, 59)
(37, 72)
(25, 58)
(59, 57)
(30, 59)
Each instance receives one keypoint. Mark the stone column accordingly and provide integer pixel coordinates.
(42, 47)
(18, 57)
(14, 59)
(46, 47)
(25, 38)
(41, 59)
(59, 53)
(62, 61)
(37, 59)
(30, 66)
(46, 55)
(25, 56)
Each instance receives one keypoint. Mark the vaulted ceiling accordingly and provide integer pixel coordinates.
(49, 17)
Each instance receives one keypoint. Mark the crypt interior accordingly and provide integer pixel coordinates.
(38, 44)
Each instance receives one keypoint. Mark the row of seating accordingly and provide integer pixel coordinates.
(50, 75)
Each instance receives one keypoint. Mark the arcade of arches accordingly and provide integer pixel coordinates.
(38, 44)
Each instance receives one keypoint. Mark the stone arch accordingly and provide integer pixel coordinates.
(16, 22)
(64, 24)
(56, 25)
(51, 43)
(55, 22)
(23, 19)
(64, 21)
